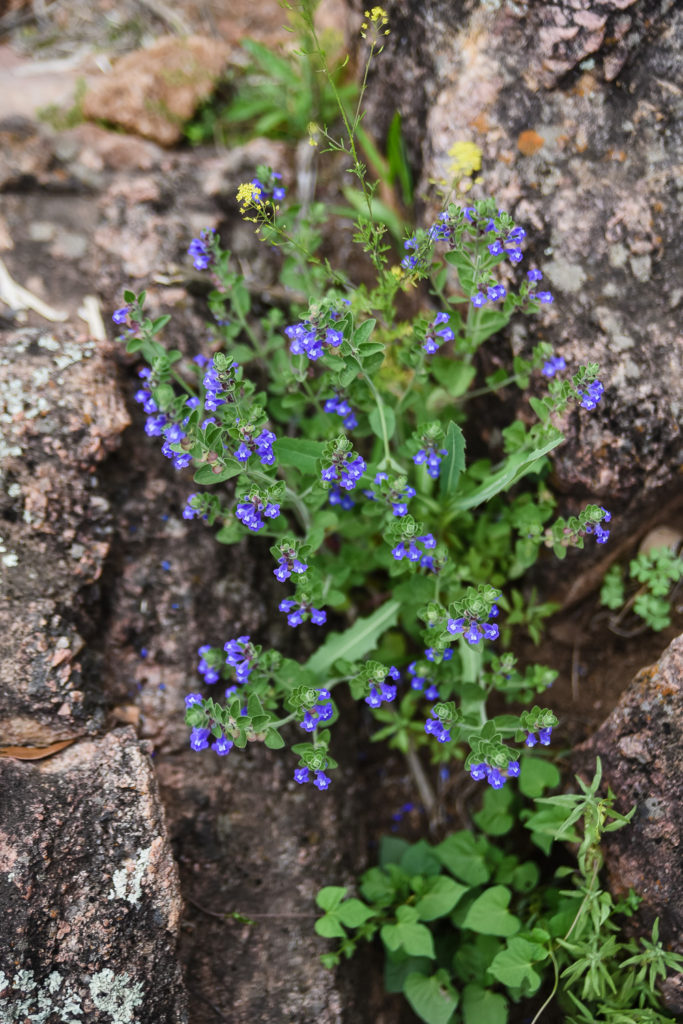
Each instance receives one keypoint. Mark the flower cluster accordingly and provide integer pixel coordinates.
(347, 468)
(552, 366)
(249, 512)
(287, 564)
(199, 740)
(493, 293)
(381, 692)
(272, 192)
(431, 456)
(494, 776)
(543, 737)
(201, 250)
(261, 445)
(341, 498)
(435, 727)
(472, 630)
(417, 682)
(410, 550)
(300, 611)
(343, 409)
(307, 340)
(601, 535)
(241, 655)
(591, 396)
(321, 711)
(321, 781)
(445, 333)
(218, 380)
(209, 672)
(396, 495)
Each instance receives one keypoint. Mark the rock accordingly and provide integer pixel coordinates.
(641, 747)
(152, 92)
(597, 198)
(89, 897)
(60, 414)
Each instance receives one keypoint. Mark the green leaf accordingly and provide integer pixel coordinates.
(439, 897)
(392, 849)
(206, 475)
(397, 967)
(240, 300)
(274, 740)
(420, 859)
(513, 966)
(489, 915)
(299, 452)
(494, 818)
(330, 896)
(540, 408)
(353, 913)
(481, 1006)
(357, 640)
(407, 934)
(537, 775)
(432, 1001)
(389, 421)
(514, 468)
(464, 857)
(364, 331)
(453, 463)
(329, 927)
(463, 265)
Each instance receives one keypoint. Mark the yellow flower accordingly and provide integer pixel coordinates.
(466, 159)
(377, 18)
(248, 194)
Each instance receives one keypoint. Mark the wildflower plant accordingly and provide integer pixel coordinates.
(336, 431)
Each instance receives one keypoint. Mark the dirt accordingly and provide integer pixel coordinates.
(247, 841)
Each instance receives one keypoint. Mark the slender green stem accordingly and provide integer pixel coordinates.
(300, 507)
(389, 460)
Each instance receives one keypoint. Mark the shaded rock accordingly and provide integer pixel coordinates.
(641, 747)
(152, 92)
(89, 897)
(60, 414)
(597, 197)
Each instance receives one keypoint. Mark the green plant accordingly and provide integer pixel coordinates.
(658, 571)
(469, 927)
(277, 96)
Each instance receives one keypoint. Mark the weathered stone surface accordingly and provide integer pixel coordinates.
(597, 198)
(60, 414)
(89, 896)
(152, 92)
(641, 747)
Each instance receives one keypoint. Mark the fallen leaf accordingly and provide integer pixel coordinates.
(35, 753)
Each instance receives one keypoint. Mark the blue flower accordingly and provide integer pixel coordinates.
(545, 297)
(432, 457)
(591, 397)
(321, 780)
(478, 299)
(534, 275)
(193, 698)
(301, 775)
(200, 253)
(222, 746)
(551, 367)
(120, 316)
(199, 738)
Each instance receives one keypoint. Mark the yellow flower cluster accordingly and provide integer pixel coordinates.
(466, 159)
(247, 194)
(377, 18)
